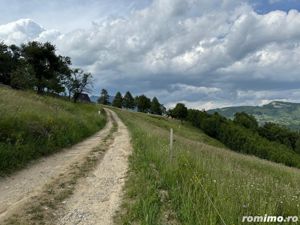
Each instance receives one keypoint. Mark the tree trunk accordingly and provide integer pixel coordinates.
(40, 90)
(75, 97)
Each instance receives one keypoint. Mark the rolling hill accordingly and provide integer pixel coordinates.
(284, 113)
(203, 183)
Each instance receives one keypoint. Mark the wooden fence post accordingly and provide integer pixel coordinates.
(171, 145)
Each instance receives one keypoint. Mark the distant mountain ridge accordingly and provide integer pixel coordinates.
(284, 113)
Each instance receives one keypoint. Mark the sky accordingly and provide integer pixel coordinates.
(206, 54)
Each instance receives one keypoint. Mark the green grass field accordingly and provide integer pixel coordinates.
(32, 126)
(160, 191)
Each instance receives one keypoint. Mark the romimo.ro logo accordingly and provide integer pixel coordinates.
(270, 219)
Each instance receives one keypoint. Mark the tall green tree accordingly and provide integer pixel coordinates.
(104, 97)
(6, 64)
(46, 64)
(117, 102)
(23, 77)
(156, 107)
(128, 101)
(180, 111)
(143, 104)
(246, 120)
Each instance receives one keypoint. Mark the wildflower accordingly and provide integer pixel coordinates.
(245, 206)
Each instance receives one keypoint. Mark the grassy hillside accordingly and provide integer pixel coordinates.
(32, 126)
(284, 113)
(162, 192)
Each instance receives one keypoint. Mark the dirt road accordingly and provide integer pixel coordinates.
(96, 197)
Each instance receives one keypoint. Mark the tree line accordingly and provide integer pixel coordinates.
(36, 66)
(243, 134)
(141, 103)
(271, 131)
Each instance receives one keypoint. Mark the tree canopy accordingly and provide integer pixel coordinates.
(118, 100)
(179, 112)
(79, 82)
(104, 97)
(156, 107)
(143, 103)
(128, 101)
(36, 66)
(246, 120)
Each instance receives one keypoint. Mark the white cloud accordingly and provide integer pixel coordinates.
(194, 89)
(195, 51)
(20, 31)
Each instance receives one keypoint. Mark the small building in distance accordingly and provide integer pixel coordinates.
(84, 98)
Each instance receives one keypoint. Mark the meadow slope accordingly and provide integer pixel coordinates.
(160, 191)
(32, 126)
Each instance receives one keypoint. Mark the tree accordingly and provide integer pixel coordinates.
(143, 104)
(195, 117)
(179, 112)
(104, 98)
(246, 120)
(155, 107)
(48, 67)
(6, 64)
(297, 145)
(163, 109)
(23, 77)
(79, 82)
(280, 134)
(64, 76)
(128, 101)
(118, 100)
(212, 124)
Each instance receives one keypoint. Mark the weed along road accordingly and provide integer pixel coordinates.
(79, 185)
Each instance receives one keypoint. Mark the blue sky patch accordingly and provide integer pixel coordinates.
(265, 6)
